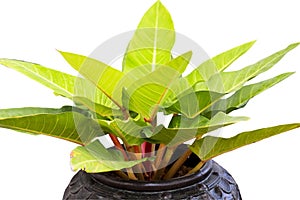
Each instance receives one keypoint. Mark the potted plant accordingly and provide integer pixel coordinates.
(151, 160)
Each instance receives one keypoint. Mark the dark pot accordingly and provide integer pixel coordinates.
(210, 183)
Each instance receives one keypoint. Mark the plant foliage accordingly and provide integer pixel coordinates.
(125, 105)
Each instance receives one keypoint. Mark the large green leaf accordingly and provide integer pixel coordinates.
(226, 82)
(64, 123)
(184, 129)
(61, 83)
(103, 76)
(152, 41)
(217, 64)
(151, 91)
(243, 95)
(209, 146)
(96, 158)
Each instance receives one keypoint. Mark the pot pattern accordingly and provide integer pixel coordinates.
(212, 182)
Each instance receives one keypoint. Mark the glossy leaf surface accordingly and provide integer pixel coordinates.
(226, 82)
(101, 75)
(96, 158)
(151, 91)
(209, 146)
(217, 64)
(152, 41)
(60, 123)
(61, 83)
(243, 95)
(184, 129)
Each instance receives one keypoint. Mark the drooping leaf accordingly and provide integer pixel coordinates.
(152, 41)
(60, 123)
(185, 129)
(96, 158)
(217, 64)
(103, 76)
(151, 91)
(61, 83)
(226, 82)
(209, 146)
(243, 95)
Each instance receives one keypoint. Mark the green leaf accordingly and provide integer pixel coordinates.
(95, 158)
(61, 83)
(101, 75)
(194, 103)
(186, 129)
(226, 82)
(243, 95)
(152, 41)
(225, 59)
(217, 64)
(130, 131)
(100, 109)
(60, 123)
(151, 91)
(181, 62)
(209, 146)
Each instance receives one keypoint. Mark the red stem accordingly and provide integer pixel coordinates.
(146, 151)
(146, 148)
(118, 145)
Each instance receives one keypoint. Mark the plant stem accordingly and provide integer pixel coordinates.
(197, 167)
(146, 150)
(175, 167)
(122, 175)
(165, 162)
(118, 145)
(159, 155)
(125, 113)
(131, 175)
(139, 155)
(139, 167)
(158, 160)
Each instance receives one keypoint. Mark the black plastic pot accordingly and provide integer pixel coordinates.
(210, 183)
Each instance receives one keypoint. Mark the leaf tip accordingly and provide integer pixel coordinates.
(252, 42)
(187, 56)
(289, 73)
(60, 52)
(293, 45)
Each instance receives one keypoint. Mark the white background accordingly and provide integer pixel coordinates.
(38, 167)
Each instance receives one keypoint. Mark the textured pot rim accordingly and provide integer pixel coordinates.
(179, 182)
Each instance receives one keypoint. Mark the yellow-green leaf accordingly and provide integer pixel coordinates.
(60, 123)
(152, 41)
(96, 158)
(209, 146)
